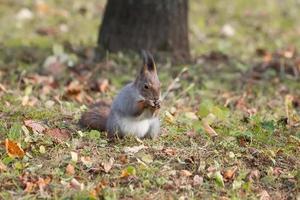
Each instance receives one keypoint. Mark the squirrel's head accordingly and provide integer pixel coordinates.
(147, 80)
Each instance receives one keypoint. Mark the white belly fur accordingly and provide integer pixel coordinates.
(133, 127)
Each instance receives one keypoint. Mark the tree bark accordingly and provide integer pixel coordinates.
(154, 25)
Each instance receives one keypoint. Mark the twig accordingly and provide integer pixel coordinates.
(173, 83)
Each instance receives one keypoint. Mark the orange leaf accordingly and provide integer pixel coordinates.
(13, 149)
(229, 173)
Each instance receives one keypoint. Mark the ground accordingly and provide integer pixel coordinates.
(230, 121)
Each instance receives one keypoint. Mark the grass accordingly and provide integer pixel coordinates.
(255, 154)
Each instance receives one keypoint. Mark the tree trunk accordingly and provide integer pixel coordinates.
(154, 25)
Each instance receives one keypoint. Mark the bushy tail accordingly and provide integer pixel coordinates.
(96, 116)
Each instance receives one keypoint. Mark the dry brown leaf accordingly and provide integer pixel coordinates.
(185, 173)
(13, 149)
(87, 161)
(43, 183)
(123, 158)
(42, 8)
(170, 151)
(134, 149)
(197, 180)
(108, 165)
(209, 130)
(76, 185)
(2, 167)
(191, 133)
(74, 88)
(264, 195)
(254, 175)
(101, 85)
(229, 173)
(35, 126)
(70, 169)
(29, 101)
(267, 57)
(29, 187)
(75, 91)
(2, 88)
(59, 134)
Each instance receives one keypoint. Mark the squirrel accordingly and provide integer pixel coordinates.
(134, 111)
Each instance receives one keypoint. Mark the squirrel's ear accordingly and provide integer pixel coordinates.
(149, 63)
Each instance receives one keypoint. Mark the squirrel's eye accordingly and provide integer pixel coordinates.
(146, 86)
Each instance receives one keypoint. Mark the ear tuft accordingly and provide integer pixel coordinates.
(148, 61)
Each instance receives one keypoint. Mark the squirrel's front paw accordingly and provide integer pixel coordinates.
(157, 104)
(154, 104)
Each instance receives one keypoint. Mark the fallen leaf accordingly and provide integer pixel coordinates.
(185, 173)
(129, 171)
(59, 134)
(29, 187)
(277, 171)
(191, 133)
(289, 52)
(42, 8)
(24, 14)
(254, 175)
(87, 161)
(29, 101)
(2, 88)
(76, 185)
(74, 88)
(147, 158)
(264, 195)
(108, 165)
(227, 30)
(13, 149)
(74, 91)
(191, 115)
(43, 183)
(74, 156)
(170, 151)
(70, 169)
(101, 85)
(42, 149)
(211, 132)
(229, 173)
(134, 149)
(35, 126)
(123, 158)
(173, 110)
(169, 117)
(197, 180)
(2, 167)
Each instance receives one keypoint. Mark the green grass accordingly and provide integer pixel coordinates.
(254, 135)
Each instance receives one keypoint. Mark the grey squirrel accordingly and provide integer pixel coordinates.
(134, 111)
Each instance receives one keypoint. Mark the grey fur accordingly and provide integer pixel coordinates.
(122, 121)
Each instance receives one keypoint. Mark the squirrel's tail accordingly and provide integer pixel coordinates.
(96, 116)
